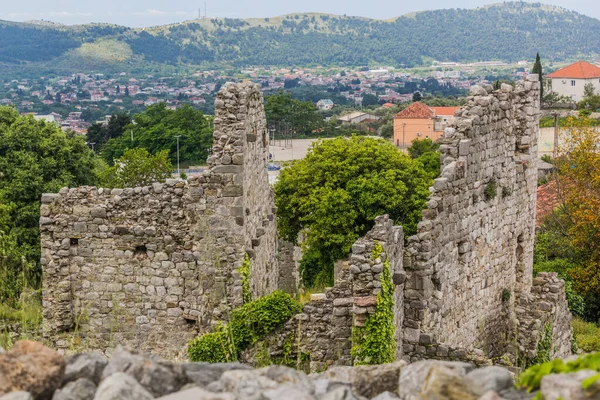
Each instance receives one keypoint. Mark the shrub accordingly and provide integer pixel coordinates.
(248, 324)
(213, 347)
(532, 377)
(490, 190)
(587, 335)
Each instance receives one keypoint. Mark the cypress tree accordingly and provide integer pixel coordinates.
(537, 69)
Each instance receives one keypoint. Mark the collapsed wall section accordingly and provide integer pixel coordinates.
(471, 260)
(322, 335)
(152, 266)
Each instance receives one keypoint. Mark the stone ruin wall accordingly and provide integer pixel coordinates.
(161, 263)
(321, 335)
(464, 283)
(152, 266)
(470, 264)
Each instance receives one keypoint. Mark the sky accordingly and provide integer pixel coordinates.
(140, 13)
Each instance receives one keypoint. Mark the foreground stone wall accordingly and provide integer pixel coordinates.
(152, 266)
(472, 258)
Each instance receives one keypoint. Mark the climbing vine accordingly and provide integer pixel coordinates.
(544, 347)
(244, 271)
(375, 342)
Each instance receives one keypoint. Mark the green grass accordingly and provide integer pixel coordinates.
(27, 313)
(587, 335)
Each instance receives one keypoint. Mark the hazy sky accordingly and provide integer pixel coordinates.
(157, 12)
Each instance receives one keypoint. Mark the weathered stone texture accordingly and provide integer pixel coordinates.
(471, 260)
(150, 266)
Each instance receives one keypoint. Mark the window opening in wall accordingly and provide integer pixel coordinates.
(572, 83)
(74, 242)
(140, 250)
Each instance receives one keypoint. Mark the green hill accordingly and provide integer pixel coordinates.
(505, 31)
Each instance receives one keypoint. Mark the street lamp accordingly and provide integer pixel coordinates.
(177, 137)
(273, 155)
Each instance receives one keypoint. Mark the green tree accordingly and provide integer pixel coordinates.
(35, 157)
(369, 100)
(419, 147)
(301, 115)
(156, 129)
(100, 134)
(333, 195)
(537, 69)
(417, 96)
(137, 167)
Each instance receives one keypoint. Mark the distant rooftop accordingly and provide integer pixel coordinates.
(579, 70)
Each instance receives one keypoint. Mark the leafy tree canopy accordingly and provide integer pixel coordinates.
(100, 134)
(156, 129)
(137, 168)
(35, 157)
(333, 195)
(418, 147)
(301, 115)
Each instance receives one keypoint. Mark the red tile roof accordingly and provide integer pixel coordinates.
(579, 70)
(445, 111)
(547, 201)
(416, 110)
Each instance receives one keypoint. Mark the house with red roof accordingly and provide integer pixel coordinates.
(419, 121)
(571, 80)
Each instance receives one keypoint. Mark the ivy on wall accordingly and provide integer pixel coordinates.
(244, 271)
(375, 343)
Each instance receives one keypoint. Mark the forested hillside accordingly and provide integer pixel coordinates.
(506, 31)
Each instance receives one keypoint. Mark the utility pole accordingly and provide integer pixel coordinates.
(403, 129)
(178, 171)
(131, 135)
(93, 146)
(555, 135)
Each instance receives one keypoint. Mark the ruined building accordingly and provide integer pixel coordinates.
(153, 266)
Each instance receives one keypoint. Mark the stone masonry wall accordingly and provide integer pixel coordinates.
(321, 335)
(366, 273)
(472, 257)
(546, 305)
(151, 266)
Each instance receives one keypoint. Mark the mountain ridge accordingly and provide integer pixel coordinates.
(502, 31)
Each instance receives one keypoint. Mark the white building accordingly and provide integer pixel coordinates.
(571, 80)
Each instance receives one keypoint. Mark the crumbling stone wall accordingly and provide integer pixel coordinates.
(321, 335)
(472, 257)
(366, 273)
(544, 310)
(151, 266)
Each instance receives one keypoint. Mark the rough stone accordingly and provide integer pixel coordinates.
(17, 396)
(442, 383)
(413, 376)
(492, 378)
(565, 386)
(368, 381)
(198, 394)
(85, 365)
(120, 386)
(158, 377)
(81, 389)
(31, 367)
